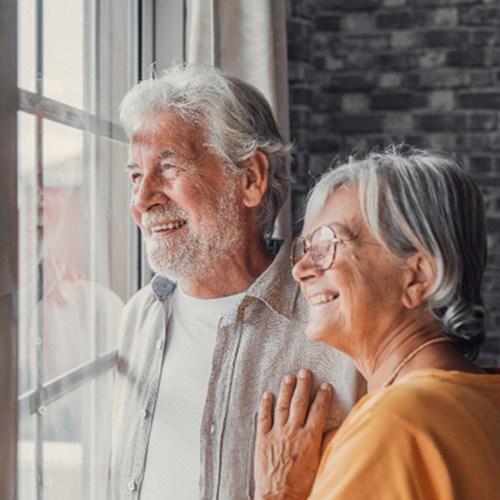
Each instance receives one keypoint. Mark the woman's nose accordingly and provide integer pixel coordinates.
(305, 268)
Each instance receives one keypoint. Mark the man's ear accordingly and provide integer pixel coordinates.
(255, 179)
(419, 279)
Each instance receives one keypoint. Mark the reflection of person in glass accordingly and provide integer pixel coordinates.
(391, 269)
(209, 173)
(71, 306)
(66, 311)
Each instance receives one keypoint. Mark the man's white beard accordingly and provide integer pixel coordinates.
(194, 251)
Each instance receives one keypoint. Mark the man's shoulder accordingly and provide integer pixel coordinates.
(158, 290)
(143, 308)
(276, 287)
(142, 295)
(141, 302)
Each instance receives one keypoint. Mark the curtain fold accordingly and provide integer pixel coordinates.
(249, 40)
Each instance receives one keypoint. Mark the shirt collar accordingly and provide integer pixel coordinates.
(273, 287)
(162, 287)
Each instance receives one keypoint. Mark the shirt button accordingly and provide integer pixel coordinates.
(212, 428)
(144, 413)
(159, 345)
(131, 485)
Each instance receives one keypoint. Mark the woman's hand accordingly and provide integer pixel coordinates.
(287, 449)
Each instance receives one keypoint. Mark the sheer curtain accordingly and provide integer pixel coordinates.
(247, 38)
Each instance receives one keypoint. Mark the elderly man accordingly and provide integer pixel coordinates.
(222, 320)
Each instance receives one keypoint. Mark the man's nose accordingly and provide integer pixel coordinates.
(150, 192)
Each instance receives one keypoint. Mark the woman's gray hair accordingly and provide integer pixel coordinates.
(235, 116)
(414, 200)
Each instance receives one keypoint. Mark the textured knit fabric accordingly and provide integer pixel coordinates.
(435, 435)
(257, 344)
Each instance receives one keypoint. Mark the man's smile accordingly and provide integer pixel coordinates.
(158, 228)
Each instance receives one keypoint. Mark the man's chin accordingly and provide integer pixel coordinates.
(166, 274)
(180, 270)
(159, 263)
(163, 270)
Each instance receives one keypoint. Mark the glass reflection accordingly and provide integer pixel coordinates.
(63, 70)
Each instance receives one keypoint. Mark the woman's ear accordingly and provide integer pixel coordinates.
(255, 179)
(419, 277)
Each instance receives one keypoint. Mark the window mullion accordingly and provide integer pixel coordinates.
(68, 115)
(39, 362)
(32, 401)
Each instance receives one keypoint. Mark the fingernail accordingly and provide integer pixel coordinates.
(324, 386)
(266, 395)
(289, 379)
(303, 373)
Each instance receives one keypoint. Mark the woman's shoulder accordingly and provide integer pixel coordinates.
(425, 395)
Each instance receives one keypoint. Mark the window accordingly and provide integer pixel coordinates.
(69, 253)
(76, 247)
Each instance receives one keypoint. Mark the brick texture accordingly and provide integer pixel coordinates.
(364, 73)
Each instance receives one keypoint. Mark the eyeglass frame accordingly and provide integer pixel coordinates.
(308, 248)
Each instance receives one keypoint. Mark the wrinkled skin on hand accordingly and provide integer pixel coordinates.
(288, 443)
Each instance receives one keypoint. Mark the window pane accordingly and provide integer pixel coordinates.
(67, 335)
(26, 459)
(27, 44)
(76, 443)
(75, 240)
(116, 64)
(62, 447)
(112, 156)
(63, 51)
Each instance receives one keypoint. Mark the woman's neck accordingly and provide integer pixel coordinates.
(413, 346)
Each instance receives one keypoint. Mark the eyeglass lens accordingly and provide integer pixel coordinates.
(323, 247)
(323, 243)
(298, 249)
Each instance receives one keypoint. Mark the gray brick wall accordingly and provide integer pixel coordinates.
(363, 73)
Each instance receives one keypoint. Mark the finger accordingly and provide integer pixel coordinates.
(282, 410)
(320, 408)
(265, 416)
(301, 398)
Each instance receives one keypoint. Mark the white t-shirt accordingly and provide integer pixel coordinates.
(173, 459)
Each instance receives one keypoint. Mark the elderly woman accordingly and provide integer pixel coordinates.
(391, 269)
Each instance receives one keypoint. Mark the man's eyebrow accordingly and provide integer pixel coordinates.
(169, 153)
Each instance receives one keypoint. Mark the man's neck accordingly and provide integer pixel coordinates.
(229, 276)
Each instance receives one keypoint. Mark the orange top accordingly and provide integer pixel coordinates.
(433, 435)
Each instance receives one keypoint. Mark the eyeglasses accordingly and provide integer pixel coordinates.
(322, 245)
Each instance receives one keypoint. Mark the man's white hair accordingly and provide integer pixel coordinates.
(234, 116)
